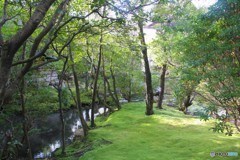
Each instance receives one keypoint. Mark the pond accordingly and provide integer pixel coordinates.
(46, 142)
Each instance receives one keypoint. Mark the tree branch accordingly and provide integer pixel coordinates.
(3, 21)
(39, 54)
(42, 64)
(131, 9)
(73, 36)
(41, 35)
(4, 17)
(21, 36)
(106, 17)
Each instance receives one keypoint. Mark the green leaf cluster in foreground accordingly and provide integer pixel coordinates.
(167, 135)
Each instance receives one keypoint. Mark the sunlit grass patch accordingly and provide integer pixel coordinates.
(166, 135)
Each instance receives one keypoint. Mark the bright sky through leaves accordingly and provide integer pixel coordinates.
(203, 3)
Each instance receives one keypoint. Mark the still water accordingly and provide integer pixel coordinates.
(46, 142)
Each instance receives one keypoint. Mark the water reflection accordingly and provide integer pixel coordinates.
(44, 143)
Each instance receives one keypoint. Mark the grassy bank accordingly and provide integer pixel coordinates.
(167, 135)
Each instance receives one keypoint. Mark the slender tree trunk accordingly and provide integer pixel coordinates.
(129, 97)
(162, 87)
(96, 80)
(105, 104)
(24, 112)
(105, 89)
(86, 81)
(25, 121)
(115, 89)
(105, 97)
(109, 89)
(107, 86)
(59, 89)
(78, 100)
(87, 114)
(5, 146)
(87, 75)
(148, 76)
(104, 86)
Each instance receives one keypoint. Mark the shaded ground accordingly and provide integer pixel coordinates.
(167, 135)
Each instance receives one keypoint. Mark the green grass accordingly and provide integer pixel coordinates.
(166, 135)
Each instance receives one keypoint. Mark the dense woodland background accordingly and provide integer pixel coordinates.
(62, 54)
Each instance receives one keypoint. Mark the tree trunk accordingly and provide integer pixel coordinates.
(148, 76)
(162, 87)
(59, 89)
(87, 114)
(109, 89)
(87, 74)
(236, 124)
(86, 81)
(24, 112)
(25, 121)
(96, 80)
(129, 97)
(105, 104)
(186, 103)
(5, 67)
(104, 94)
(105, 89)
(5, 146)
(78, 100)
(9, 48)
(115, 89)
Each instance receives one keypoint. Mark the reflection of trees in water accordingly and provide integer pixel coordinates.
(51, 132)
(46, 131)
(49, 138)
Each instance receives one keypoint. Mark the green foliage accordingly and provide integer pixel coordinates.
(208, 111)
(97, 3)
(200, 47)
(221, 126)
(155, 80)
(45, 100)
(12, 147)
(86, 97)
(205, 51)
(42, 100)
(66, 98)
